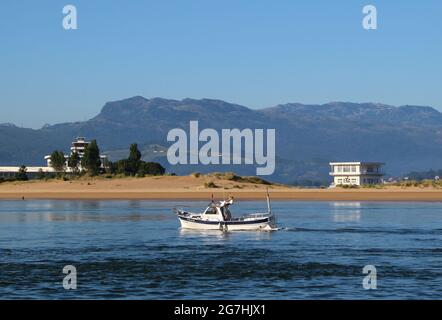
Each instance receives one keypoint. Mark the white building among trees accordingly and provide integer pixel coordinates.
(78, 146)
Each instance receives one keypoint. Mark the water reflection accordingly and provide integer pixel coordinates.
(105, 217)
(81, 211)
(224, 235)
(346, 211)
(345, 204)
(217, 234)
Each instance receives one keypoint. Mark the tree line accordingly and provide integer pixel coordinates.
(91, 163)
(134, 166)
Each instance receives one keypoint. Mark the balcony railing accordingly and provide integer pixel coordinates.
(357, 172)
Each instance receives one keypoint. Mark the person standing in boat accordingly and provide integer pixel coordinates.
(227, 215)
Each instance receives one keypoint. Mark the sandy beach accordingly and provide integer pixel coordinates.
(189, 187)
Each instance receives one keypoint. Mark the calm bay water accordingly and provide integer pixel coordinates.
(135, 250)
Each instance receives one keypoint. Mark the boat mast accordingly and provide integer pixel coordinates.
(268, 202)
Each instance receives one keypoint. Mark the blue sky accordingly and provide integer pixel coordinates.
(257, 53)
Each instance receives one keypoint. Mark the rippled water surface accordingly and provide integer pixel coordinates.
(135, 250)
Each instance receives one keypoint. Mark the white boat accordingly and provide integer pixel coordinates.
(217, 216)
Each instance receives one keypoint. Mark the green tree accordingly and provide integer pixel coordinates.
(134, 153)
(58, 161)
(91, 161)
(134, 159)
(74, 162)
(153, 168)
(133, 165)
(21, 174)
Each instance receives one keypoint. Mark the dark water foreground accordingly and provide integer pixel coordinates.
(134, 249)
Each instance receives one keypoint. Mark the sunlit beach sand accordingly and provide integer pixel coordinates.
(200, 188)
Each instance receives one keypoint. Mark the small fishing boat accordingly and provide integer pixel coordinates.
(217, 216)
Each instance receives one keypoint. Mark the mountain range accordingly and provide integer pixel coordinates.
(406, 138)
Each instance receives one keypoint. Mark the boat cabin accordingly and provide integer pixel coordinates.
(218, 211)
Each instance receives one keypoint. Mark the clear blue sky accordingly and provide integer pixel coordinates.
(257, 53)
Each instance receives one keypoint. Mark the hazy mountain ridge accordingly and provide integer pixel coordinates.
(308, 136)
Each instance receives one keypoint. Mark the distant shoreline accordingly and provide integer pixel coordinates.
(200, 188)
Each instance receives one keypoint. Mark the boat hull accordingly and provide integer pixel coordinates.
(255, 225)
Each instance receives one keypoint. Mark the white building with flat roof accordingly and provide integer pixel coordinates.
(356, 173)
